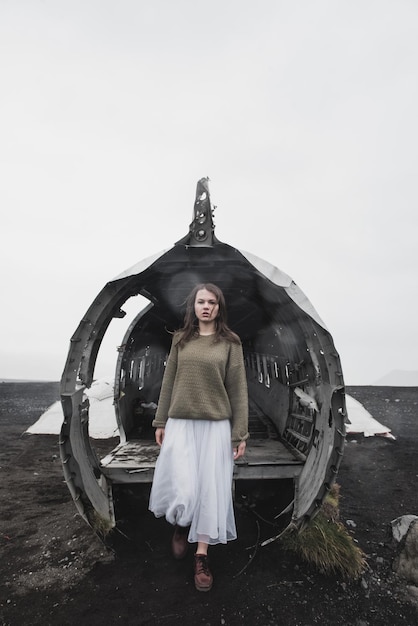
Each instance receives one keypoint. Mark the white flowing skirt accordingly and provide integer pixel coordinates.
(193, 479)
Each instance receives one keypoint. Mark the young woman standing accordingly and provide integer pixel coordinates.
(202, 426)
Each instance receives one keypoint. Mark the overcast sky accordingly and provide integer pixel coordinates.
(302, 113)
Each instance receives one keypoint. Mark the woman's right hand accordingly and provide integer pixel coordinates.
(159, 436)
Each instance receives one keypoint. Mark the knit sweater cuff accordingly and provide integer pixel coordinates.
(236, 442)
(159, 423)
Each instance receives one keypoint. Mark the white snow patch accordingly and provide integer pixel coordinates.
(362, 422)
(102, 418)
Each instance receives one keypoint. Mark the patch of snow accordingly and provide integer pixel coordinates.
(361, 421)
(102, 418)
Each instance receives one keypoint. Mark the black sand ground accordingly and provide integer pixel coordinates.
(53, 569)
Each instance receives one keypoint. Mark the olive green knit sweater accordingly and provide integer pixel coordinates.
(205, 380)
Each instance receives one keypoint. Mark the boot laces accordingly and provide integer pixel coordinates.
(202, 565)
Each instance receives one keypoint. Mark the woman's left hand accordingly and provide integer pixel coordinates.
(239, 450)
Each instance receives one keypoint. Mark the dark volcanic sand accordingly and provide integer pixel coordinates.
(54, 570)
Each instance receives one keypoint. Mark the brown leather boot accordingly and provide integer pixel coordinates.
(203, 578)
(179, 543)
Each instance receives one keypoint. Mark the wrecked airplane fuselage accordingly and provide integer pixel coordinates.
(295, 382)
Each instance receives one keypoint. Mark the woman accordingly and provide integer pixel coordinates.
(202, 426)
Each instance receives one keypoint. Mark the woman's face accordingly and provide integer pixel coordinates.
(206, 306)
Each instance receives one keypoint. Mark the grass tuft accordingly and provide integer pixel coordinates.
(100, 525)
(325, 542)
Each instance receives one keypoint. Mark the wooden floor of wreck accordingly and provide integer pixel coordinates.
(134, 461)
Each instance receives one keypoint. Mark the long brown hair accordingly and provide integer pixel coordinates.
(191, 328)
